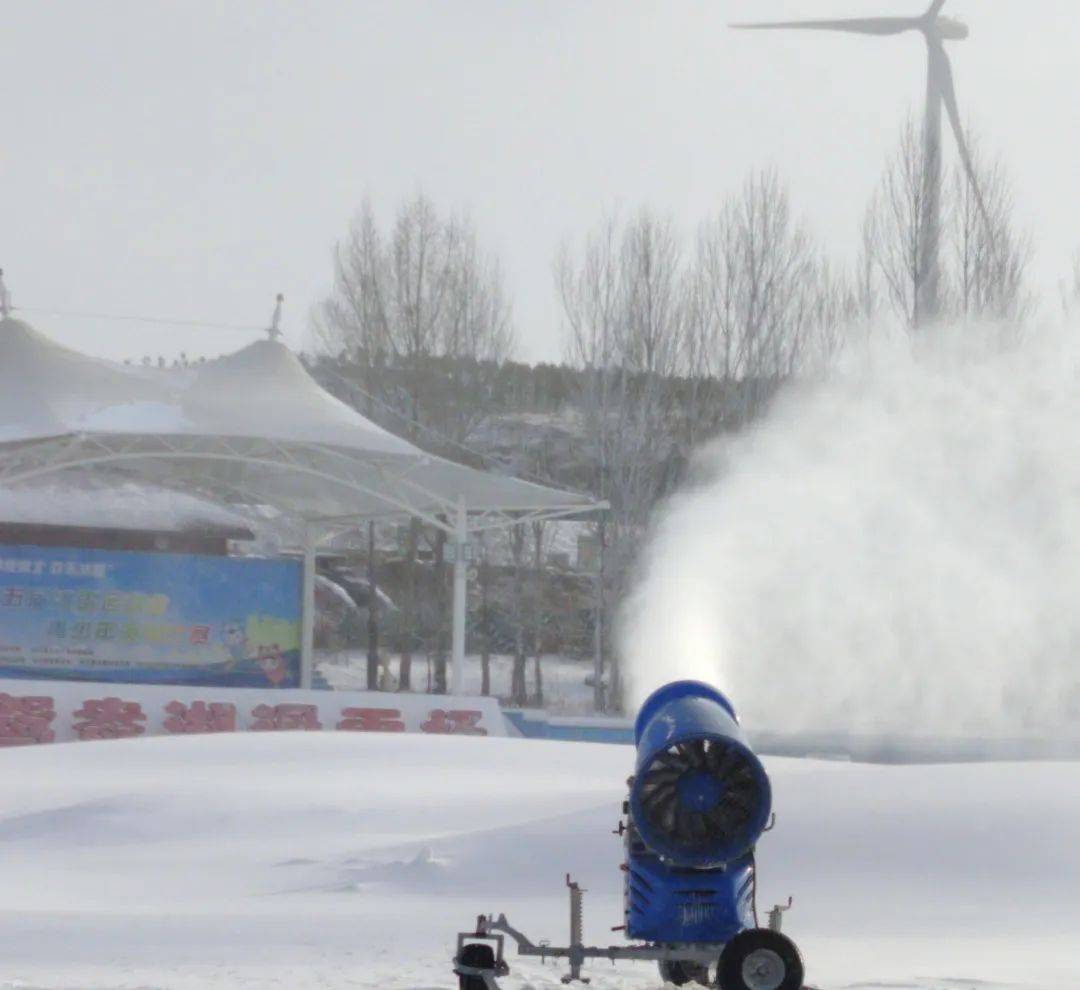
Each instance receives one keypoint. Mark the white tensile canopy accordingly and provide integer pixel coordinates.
(249, 429)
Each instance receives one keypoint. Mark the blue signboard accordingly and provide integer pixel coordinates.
(149, 618)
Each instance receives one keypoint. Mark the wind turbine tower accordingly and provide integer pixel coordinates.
(940, 91)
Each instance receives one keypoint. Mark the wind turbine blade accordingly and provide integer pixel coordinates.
(943, 74)
(854, 25)
(934, 10)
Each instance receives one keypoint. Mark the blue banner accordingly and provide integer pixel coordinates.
(149, 618)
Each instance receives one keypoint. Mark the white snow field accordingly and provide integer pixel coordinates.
(337, 860)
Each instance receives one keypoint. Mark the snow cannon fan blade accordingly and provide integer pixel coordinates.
(700, 797)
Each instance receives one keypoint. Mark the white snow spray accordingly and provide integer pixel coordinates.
(894, 547)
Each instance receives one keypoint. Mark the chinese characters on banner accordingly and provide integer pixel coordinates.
(286, 718)
(33, 719)
(371, 720)
(200, 716)
(109, 718)
(26, 721)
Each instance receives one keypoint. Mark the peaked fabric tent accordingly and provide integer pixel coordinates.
(249, 429)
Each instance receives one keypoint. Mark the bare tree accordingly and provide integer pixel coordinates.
(827, 309)
(713, 322)
(538, 530)
(590, 291)
(409, 610)
(759, 304)
(478, 335)
(670, 348)
(519, 694)
(622, 303)
(651, 326)
(373, 614)
(982, 272)
(442, 596)
(421, 267)
(389, 297)
(777, 263)
(421, 312)
(905, 248)
(990, 258)
(421, 316)
(867, 287)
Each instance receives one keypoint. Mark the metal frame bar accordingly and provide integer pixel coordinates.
(460, 610)
(307, 611)
(75, 452)
(487, 927)
(173, 454)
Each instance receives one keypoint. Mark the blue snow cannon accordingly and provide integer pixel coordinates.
(699, 801)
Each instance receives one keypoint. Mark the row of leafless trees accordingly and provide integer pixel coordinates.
(679, 341)
(682, 339)
(674, 338)
(981, 256)
(419, 297)
(422, 294)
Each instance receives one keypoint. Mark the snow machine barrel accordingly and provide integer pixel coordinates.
(700, 797)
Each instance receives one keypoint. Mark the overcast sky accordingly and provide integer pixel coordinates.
(192, 159)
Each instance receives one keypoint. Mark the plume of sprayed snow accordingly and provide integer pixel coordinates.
(895, 547)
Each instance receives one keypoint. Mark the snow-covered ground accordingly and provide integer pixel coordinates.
(348, 860)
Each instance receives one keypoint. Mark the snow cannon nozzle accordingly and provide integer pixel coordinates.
(673, 691)
(700, 796)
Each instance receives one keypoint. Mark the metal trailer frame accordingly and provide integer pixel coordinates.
(490, 928)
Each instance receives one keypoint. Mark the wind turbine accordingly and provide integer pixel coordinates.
(940, 89)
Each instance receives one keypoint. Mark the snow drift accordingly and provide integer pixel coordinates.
(311, 860)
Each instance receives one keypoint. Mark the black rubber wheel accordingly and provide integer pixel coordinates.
(476, 955)
(681, 971)
(760, 959)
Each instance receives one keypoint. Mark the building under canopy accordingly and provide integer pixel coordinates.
(252, 429)
(129, 516)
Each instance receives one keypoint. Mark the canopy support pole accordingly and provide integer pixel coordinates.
(307, 614)
(457, 658)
